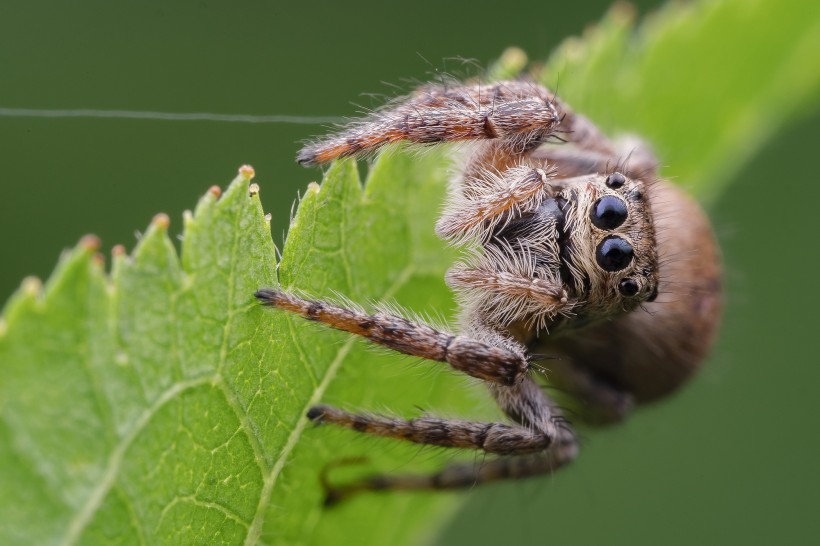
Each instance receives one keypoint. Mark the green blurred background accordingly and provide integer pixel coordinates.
(735, 458)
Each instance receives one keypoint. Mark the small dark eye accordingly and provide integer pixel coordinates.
(613, 254)
(628, 287)
(654, 295)
(615, 180)
(609, 212)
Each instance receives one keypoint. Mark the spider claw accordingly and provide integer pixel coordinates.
(316, 414)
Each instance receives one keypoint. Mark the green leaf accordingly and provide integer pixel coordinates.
(162, 404)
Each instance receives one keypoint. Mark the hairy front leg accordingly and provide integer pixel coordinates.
(518, 113)
(505, 364)
(498, 196)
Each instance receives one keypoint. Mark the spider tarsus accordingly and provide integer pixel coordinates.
(267, 296)
(316, 413)
(306, 157)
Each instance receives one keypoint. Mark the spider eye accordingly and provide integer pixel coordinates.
(654, 295)
(613, 254)
(628, 287)
(615, 180)
(609, 212)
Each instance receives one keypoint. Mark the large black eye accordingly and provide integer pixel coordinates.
(613, 254)
(608, 212)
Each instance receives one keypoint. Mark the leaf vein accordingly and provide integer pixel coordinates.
(255, 530)
(83, 517)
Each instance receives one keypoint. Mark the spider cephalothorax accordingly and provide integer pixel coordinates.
(574, 248)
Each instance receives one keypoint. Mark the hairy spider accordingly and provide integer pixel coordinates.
(575, 249)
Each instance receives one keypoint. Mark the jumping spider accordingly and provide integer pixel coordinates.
(575, 250)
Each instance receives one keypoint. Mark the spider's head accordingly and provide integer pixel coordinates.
(609, 252)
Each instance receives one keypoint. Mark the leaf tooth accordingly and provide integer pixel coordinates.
(90, 243)
(161, 221)
(342, 181)
(119, 256)
(204, 204)
(118, 251)
(31, 286)
(247, 172)
(73, 263)
(155, 248)
(215, 190)
(31, 290)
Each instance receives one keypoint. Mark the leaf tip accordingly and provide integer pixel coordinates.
(30, 293)
(161, 221)
(210, 197)
(31, 286)
(247, 172)
(156, 233)
(119, 255)
(509, 65)
(622, 12)
(90, 243)
(215, 190)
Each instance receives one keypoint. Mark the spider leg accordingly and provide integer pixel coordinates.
(581, 132)
(512, 117)
(496, 438)
(504, 195)
(538, 426)
(511, 286)
(508, 283)
(570, 161)
(513, 112)
(505, 364)
(540, 430)
(593, 400)
(457, 476)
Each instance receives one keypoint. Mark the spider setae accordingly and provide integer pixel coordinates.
(575, 249)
